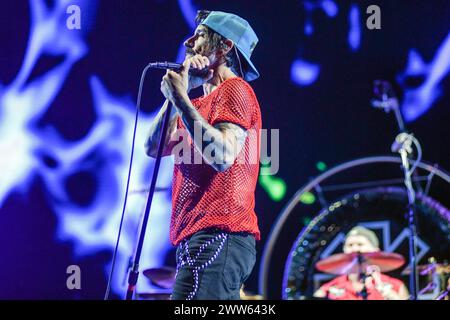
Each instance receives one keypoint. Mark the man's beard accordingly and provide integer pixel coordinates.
(190, 52)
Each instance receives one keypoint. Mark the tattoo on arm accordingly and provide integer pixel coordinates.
(234, 139)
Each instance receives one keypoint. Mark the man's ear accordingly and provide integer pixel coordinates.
(227, 46)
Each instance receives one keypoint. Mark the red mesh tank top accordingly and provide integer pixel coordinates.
(205, 198)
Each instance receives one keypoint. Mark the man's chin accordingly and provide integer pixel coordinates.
(190, 54)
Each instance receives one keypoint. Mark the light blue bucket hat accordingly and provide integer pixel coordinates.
(240, 32)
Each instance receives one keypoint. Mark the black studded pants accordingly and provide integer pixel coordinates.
(213, 264)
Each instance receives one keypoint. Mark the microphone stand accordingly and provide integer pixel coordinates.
(362, 276)
(388, 104)
(411, 223)
(134, 272)
(411, 216)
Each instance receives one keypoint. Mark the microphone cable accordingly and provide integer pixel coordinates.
(138, 106)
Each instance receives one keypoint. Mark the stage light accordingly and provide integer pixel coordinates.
(307, 198)
(304, 73)
(306, 221)
(354, 32)
(274, 186)
(321, 166)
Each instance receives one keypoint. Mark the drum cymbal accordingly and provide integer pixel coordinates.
(346, 263)
(163, 277)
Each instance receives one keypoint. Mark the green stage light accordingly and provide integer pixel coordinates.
(321, 166)
(307, 198)
(274, 186)
(306, 220)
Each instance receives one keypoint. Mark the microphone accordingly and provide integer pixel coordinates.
(177, 67)
(402, 141)
(402, 145)
(165, 65)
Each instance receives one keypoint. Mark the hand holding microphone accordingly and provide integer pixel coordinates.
(191, 74)
(199, 71)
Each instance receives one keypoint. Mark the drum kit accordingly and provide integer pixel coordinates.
(360, 263)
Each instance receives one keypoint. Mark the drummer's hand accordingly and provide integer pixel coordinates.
(385, 289)
(374, 272)
(373, 280)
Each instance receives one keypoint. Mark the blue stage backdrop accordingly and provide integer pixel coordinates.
(67, 100)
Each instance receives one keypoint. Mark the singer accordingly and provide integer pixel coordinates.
(213, 223)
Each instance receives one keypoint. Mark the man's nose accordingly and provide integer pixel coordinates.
(189, 43)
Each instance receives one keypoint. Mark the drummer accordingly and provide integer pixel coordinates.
(349, 287)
